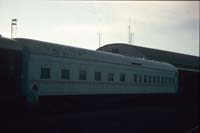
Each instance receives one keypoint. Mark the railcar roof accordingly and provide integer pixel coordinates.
(52, 49)
(8, 43)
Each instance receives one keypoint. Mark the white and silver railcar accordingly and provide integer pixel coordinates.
(58, 70)
(63, 70)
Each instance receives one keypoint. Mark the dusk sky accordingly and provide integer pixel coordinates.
(165, 25)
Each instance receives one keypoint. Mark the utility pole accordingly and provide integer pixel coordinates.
(13, 27)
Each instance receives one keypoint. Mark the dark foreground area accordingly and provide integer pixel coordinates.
(134, 119)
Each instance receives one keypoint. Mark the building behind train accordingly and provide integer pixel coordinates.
(188, 66)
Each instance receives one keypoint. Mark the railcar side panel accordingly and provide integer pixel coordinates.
(57, 86)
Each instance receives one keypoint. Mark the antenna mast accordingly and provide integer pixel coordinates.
(130, 33)
(14, 28)
(99, 39)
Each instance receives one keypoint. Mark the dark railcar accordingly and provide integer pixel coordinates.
(189, 86)
(10, 72)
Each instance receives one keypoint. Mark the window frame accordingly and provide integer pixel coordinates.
(140, 78)
(97, 76)
(135, 78)
(45, 73)
(150, 79)
(145, 79)
(158, 79)
(63, 72)
(110, 76)
(122, 77)
(82, 75)
(154, 79)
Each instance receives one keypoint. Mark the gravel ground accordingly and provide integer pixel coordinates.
(135, 119)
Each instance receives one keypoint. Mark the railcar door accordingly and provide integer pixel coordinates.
(10, 74)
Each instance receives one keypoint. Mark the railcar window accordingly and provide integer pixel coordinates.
(65, 74)
(122, 77)
(140, 78)
(135, 78)
(149, 79)
(161, 80)
(169, 80)
(82, 75)
(145, 78)
(165, 80)
(45, 73)
(172, 80)
(110, 76)
(158, 79)
(154, 79)
(97, 76)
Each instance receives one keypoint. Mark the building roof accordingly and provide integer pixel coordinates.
(182, 61)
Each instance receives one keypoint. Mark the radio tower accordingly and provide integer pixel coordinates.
(13, 28)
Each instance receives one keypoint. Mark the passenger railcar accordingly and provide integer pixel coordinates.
(35, 69)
